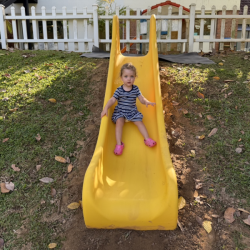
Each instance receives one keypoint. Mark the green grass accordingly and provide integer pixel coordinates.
(231, 116)
(59, 125)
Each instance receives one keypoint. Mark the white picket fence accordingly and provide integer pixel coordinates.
(84, 18)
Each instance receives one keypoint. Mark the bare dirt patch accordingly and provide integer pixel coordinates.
(181, 137)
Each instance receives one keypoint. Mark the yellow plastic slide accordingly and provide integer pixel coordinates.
(137, 190)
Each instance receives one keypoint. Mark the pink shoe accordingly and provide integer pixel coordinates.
(118, 149)
(150, 142)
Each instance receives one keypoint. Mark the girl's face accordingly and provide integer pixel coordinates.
(128, 77)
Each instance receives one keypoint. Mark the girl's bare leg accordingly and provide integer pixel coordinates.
(142, 129)
(118, 130)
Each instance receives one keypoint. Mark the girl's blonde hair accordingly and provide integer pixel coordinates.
(129, 66)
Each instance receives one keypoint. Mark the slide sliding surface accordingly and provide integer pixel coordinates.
(137, 190)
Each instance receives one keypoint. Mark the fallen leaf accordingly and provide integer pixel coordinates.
(236, 107)
(245, 57)
(38, 137)
(175, 103)
(52, 245)
(207, 226)
(46, 180)
(213, 132)
(216, 78)
(81, 113)
(221, 64)
(73, 205)
(4, 190)
(228, 80)
(247, 221)
(70, 167)
(66, 67)
(240, 139)
(229, 215)
(49, 64)
(243, 210)
(209, 117)
(53, 192)
(80, 202)
(176, 132)
(184, 111)
(1, 243)
(196, 194)
(215, 216)
(242, 132)
(26, 71)
(238, 150)
(16, 169)
(7, 75)
(6, 139)
(60, 159)
(225, 95)
(193, 153)
(200, 137)
(38, 167)
(198, 186)
(181, 203)
(34, 68)
(200, 95)
(200, 115)
(68, 160)
(42, 201)
(52, 100)
(180, 225)
(10, 185)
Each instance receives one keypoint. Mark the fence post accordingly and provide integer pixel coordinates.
(95, 24)
(191, 28)
(3, 31)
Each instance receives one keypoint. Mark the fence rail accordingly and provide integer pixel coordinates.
(82, 27)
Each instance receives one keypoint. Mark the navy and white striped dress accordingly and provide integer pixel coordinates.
(127, 104)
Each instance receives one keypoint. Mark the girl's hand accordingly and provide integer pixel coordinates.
(150, 103)
(104, 112)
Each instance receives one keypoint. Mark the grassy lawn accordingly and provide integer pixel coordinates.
(225, 106)
(28, 80)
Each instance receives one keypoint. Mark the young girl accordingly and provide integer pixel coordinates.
(126, 108)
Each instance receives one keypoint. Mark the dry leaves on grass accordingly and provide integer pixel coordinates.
(46, 180)
(16, 169)
(215, 215)
(10, 186)
(7, 75)
(243, 210)
(207, 225)
(200, 95)
(52, 100)
(70, 167)
(228, 80)
(196, 194)
(213, 132)
(52, 245)
(38, 167)
(74, 205)
(198, 186)
(38, 137)
(200, 115)
(216, 78)
(221, 64)
(60, 159)
(200, 137)
(184, 111)
(175, 103)
(238, 150)
(247, 221)
(209, 117)
(6, 139)
(181, 203)
(229, 215)
(4, 190)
